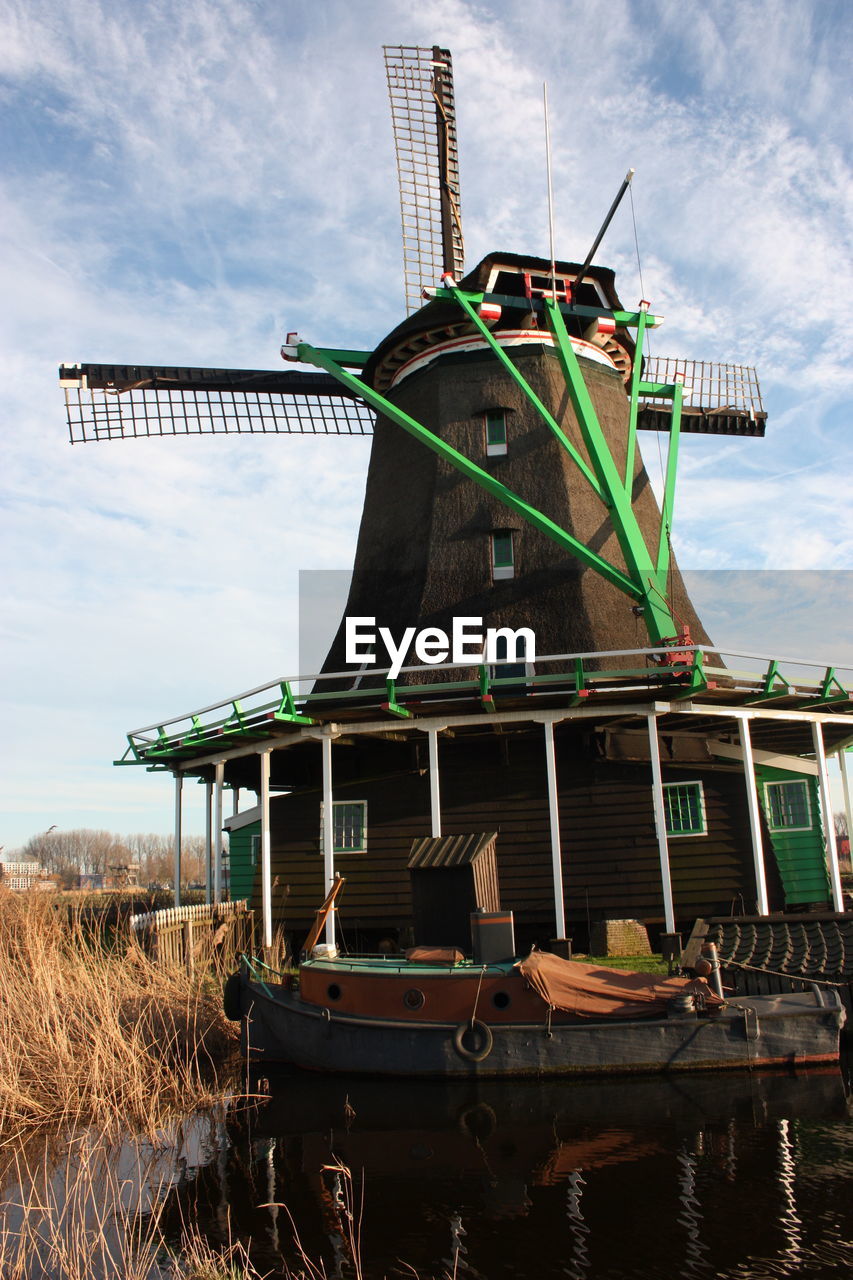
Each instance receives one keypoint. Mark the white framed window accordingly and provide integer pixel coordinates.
(503, 556)
(349, 826)
(788, 805)
(496, 433)
(684, 807)
(254, 849)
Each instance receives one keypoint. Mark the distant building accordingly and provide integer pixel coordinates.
(20, 875)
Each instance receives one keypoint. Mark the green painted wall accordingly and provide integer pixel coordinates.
(800, 855)
(244, 855)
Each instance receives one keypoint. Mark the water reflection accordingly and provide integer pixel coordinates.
(721, 1176)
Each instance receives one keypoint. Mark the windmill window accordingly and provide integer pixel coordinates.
(350, 826)
(684, 807)
(503, 559)
(254, 849)
(788, 806)
(495, 433)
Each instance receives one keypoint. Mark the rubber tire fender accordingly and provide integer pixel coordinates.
(231, 1001)
(480, 1029)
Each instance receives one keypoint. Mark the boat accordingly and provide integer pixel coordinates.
(433, 1012)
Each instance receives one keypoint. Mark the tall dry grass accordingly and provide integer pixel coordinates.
(92, 1032)
(95, 1212)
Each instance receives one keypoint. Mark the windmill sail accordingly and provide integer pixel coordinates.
(423, 115)
(118, 402)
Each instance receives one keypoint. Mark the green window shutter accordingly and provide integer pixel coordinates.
(788, 806)
(496, 432)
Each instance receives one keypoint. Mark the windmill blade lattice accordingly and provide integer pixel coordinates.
(719, 399)
(108, 402)
(423, 115)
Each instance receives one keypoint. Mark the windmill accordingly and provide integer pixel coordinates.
(525, 377)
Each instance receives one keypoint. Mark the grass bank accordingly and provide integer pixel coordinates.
(91, 1032)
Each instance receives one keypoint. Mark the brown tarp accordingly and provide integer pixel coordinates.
(434, 955)
(593, 991)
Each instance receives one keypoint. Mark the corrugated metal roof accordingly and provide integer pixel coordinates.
(449, 851)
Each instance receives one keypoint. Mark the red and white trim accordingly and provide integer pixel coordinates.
(514, 338)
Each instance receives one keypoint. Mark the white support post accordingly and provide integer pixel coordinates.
(660, 823)
(554, 820)
(328, 833)
(218, 781)
(266, 862)
(827, 817)
(434, 783)
(235, 801)
(208, 842)
(848, 793)
(754, 817)
(179, 779)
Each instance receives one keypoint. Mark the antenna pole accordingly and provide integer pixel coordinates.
(550, 191)
(626, 182)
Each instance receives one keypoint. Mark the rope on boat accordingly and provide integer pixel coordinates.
(778, 973)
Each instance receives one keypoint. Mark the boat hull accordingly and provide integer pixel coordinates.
(788, 1030)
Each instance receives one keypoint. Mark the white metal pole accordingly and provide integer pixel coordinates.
(434, 783)
(208, 841)
(178, 815)
(218, 781)
(828, 822)
(328, 833)
(660, 823)
(848, 808)
(554, 819)
(266, 861)
(754, 817)
(550, 198)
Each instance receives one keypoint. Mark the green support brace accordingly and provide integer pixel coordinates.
(486, 697)
(659, 620)
(775, 686)
(664, 549)
(633, 404)
(392, 706)
(312, 355)
(830, 681)
(548, 418)
(287, 708)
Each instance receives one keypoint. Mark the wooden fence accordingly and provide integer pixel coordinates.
(205, 936)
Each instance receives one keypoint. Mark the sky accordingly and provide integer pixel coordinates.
(184, 181)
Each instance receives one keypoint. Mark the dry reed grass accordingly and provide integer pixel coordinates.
(96, 1213)
(94, 1033)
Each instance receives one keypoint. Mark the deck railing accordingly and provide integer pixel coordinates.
(684, 671)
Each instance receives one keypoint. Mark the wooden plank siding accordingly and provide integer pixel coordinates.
(497, 782)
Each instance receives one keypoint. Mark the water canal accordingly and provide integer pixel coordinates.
(724, 1176)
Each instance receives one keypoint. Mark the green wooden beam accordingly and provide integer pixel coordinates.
(657, 616)
(550, 421)
(664, 549)
(312, 355)
(633, 405)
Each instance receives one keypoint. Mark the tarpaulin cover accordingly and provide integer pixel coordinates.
(593, 991)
